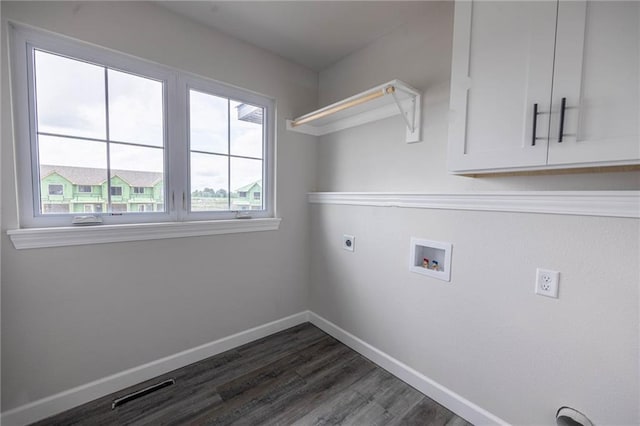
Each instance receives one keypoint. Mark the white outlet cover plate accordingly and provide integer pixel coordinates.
(547, 282)
(348, 242)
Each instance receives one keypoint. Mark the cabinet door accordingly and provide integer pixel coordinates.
(502, 65)
(597, 71)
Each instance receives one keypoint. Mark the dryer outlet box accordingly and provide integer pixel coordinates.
(348, 242)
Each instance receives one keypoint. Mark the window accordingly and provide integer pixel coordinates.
(56, 208)
(95, 119)
(56, 189)
(227, 136)
(145, 207)
(256, 195)
(105, 121)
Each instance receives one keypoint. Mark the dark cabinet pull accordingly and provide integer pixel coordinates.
(535, 124)
(563, 106)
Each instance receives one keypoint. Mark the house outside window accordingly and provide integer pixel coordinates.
(249, 197)
(227, 130)
(96, 201)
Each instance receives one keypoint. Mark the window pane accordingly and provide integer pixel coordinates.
(69, 96)
(208, 122)
(209, 182)
(246, 181)
(135, 109)
(72, 164)
(246, 130)
(135, 166)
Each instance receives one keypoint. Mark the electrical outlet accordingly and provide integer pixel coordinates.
(547, 282)
(348, 242)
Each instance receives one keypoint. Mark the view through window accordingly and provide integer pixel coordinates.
(226, 152)
(92, 123)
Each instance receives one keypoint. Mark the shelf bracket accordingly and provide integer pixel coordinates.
(413, 131)
(403, 113)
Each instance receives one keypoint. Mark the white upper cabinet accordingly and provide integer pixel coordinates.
(515, 62)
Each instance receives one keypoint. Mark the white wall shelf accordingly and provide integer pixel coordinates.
(386, 100)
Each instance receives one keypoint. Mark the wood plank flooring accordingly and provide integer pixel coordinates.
(300, 376)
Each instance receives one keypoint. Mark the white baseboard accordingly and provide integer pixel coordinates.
(454, 402)
(62, 401)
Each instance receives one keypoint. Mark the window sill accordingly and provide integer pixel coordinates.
(80, 235)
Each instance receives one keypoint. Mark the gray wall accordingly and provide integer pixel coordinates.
(76, 314)
(485, 335)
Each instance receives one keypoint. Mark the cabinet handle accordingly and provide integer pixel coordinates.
(563, 105)
(535, 124)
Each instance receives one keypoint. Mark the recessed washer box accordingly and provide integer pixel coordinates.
(432, 258)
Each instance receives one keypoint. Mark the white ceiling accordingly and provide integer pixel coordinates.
(315, 34)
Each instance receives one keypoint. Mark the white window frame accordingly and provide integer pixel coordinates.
(176, 85)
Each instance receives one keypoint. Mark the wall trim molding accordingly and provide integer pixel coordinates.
(625, 204)
(54, 404)
(454, 402)
(27, 238)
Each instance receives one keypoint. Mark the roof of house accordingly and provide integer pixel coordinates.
(95, 176)
(250, 186)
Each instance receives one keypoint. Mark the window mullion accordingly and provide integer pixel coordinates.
(177, 146)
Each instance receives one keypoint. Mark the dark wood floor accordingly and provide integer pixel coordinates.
(299, 376)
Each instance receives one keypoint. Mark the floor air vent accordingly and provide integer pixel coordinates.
(142, 392)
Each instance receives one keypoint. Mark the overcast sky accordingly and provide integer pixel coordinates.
(71, 101)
